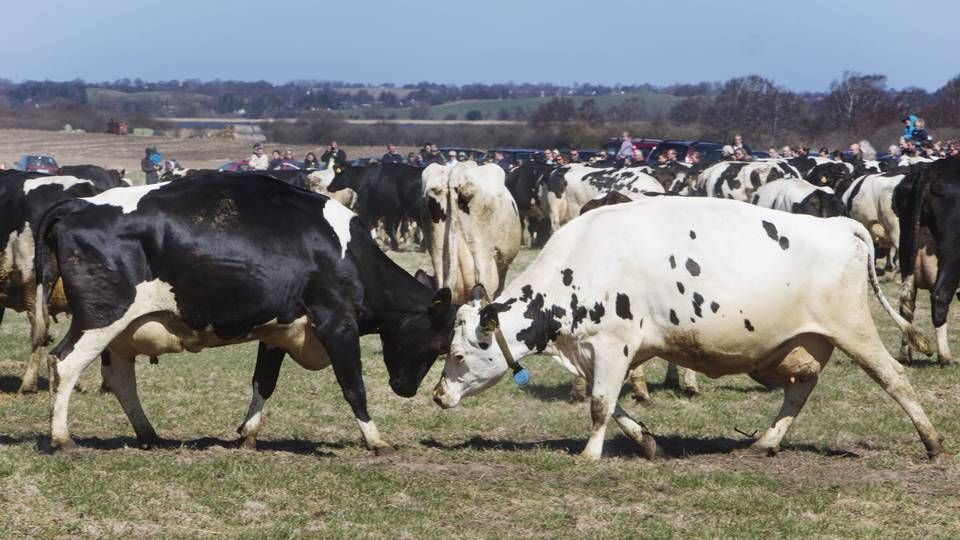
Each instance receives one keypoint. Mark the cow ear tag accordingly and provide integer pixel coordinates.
(522, 377)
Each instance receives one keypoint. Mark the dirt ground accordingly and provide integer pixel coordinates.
(126, 151)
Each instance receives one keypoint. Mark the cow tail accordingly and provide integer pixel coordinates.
(46, 270)
(917, 340)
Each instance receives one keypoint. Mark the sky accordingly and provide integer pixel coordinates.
(800, 45)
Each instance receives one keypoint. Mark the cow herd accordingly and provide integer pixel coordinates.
(710, 268)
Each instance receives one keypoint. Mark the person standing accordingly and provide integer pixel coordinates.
(276, 159)
(334, 155)
(258, 160)
(738, 143)
(626, 147)
(392, 156)
(310, 161)
(150, 165)
(451, 158)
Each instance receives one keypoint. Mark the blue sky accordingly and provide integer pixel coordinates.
(801, 45)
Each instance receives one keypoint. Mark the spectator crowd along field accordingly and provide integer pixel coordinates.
(717, 258)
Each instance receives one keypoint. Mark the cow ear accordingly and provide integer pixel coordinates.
(426, 279)
(440, 305)
(479, 294)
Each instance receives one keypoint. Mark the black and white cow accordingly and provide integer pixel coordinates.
(528, 186)
(713, 285)
(927, 202)
(824, 172)
(183, 266)
(738, 180)
(24, 198)
(103, 179)
(390, 193)
(869, 200)
(798, 196)
(571, 187)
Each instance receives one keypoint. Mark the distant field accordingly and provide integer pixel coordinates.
(653, 102)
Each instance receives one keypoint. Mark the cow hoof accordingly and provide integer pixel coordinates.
(689, 392)
(762, 451)
(105, 388)
(27, 389)
(247, 443)
(577, 397)
(648, 447)
(643, 399)
(151, 444)
(384, 450)
(63, 445)
(945, 361)
(942, 458)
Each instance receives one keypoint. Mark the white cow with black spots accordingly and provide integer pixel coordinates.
(712, 285)
(869, 200)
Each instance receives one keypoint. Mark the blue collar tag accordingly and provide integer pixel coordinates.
(522, 377)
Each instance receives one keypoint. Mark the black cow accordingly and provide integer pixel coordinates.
(103, 179)
(528, 186)
(24, 198)
(823, 172)
(391, 193)
(213, 261)
(927, 202)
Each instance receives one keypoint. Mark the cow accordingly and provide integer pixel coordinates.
(824, 172)
(24, 198)
(738, 179)
(713, 285)
(103, 179)
(390, 193)
(799, 197)
(869, 200)
(472, 227)
(527, 184)
(926, 202)
(319, 181)
(571, 187)
(183, 266)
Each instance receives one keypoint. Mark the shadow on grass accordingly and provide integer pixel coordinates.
(927, 363)
(9, 384)
(668, 446)
(290, 446)
(561, 391)
(753, 389)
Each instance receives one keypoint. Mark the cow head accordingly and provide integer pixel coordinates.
(412, 344)
(345, 176)
(434, 183)
(833, 175)
(475, 361)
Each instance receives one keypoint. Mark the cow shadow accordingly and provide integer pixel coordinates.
(669, 447)
(560, 392)
(9, 384)
(289, 446)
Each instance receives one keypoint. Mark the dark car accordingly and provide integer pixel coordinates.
(612, 146)
(241, 165)
(477, 155)
(710, 152)
(41, 164)
(516, 156)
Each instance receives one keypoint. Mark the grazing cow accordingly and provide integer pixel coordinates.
(738, 179)
(799, 197)
(927, 202)
(527, 184)
(716, 286)
(869, 200)
(472, 227)
(24, 198)
(190, 265)
(390, 193)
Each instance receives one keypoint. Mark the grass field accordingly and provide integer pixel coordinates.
(654, 102)
(503, 464)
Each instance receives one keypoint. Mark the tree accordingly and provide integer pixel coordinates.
(857, 100)
(589, 113)
(420, 112)
(753, 106)
(945, 109)
(554, 111)
(474, 115)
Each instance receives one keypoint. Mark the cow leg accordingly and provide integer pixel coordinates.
(638, 386)
(265, 376)
(794, 397)
(608, 376)
(82, 352)
(944, 357)
(873, 358)
(908, 302)
(636, 431)
(123, 381)
(1, 314)
(28, 383)
(343, 347)
(578, 391)
(687, 385)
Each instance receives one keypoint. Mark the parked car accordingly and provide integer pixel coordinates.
(612, 146)
(241, 165)
(41, 164)
(709, 151)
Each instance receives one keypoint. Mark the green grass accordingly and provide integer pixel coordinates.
(655, 102)
(503, 464)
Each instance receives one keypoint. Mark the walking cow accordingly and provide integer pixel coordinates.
(188, 265)
(686, 286)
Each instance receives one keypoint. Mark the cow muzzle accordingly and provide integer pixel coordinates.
(442, 398)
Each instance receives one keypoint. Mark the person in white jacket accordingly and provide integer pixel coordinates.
(258, 160)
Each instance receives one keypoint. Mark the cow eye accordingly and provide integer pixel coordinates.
(458, 358)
